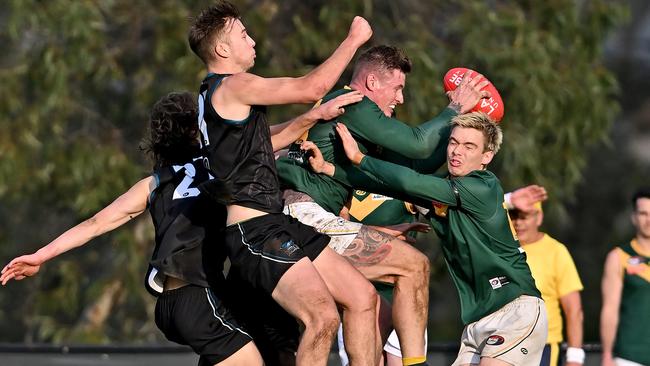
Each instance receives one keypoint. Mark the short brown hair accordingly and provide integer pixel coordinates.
(383, 58)
(480, 121)
(208, 25)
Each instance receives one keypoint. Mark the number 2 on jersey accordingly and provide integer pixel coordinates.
(183, 190)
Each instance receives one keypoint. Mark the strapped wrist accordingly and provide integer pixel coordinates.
(574, 354)
(507, 199)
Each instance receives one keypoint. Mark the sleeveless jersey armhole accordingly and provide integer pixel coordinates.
(232, 122)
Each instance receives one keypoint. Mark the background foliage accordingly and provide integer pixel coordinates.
(78, 79)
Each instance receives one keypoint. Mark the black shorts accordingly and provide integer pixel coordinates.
(194, 316)
(263, 248)
(275, 332)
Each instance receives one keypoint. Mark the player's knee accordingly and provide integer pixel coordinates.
(366, 297)
(324, 324)
(363, 298)
(419, 265)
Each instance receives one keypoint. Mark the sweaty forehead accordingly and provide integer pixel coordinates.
(395, 77)
(467, 135)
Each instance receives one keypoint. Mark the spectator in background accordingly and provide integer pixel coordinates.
(556, 277)
(625, 316)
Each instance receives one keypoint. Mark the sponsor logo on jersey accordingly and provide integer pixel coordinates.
(633, 261)
(635, 266)
(498, 282)
(494, 340)
(360, 192)
(379, 197)
(289, 247)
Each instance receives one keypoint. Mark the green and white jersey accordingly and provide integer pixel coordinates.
(485, 260)
(379, 210)
(377, 135)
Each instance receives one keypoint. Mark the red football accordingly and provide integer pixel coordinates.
(493, 106)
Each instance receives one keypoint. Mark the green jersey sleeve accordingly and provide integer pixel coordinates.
(475, 192)
(369, 123)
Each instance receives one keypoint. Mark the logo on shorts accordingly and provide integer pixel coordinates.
(524, 351)
(498, 282)
(289, 247)
(495, 340)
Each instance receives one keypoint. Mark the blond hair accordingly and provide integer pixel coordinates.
(480, 121)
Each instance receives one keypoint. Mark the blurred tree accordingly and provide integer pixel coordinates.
(78, 79)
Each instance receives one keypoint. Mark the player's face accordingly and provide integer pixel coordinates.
(465, 151)
(641, 217)
(526, 224)
(242, 46)
(388, 93)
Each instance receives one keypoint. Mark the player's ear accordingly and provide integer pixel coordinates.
(487, 157)
(222, 49)
(372, 81)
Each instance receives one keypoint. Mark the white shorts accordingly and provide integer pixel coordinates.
(341, 231)
(623, 362)
(392, 346)
(515, 334)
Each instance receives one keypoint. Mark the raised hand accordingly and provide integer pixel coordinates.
(334, 107)
(20, 268)
(524, 199)
(349, 144)
(360, 31)
(468, 93)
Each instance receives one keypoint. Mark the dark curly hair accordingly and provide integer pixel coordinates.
(173, 130)
(208, 25)
(383, 58)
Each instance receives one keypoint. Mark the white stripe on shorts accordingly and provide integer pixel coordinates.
(216, 315)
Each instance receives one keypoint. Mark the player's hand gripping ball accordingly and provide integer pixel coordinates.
(492, 106)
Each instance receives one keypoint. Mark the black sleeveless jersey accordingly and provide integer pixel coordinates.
(188, 227)
(240, 155)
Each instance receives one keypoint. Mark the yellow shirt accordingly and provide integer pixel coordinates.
(555, 275)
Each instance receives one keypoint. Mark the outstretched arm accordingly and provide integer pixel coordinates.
(396, 177)
(129, 205)
(371, 124)
(249, 89)
(286, 133)
(524, 198)
(612, 289)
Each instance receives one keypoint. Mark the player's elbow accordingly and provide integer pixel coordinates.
(313, 90)
(576, 314)
(317, 92)
(419, 151)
